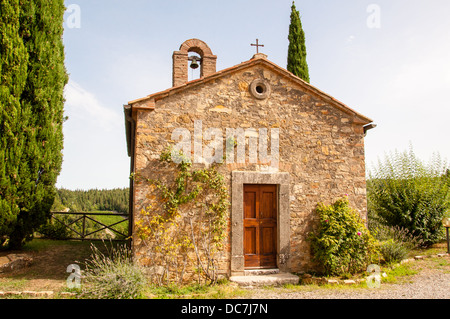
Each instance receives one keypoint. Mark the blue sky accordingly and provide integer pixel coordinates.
(396, 72)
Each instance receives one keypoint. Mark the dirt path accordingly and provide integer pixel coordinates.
(431, 282)
(432, 285)
(48, 270)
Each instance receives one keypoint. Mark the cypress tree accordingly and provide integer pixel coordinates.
(42, 102)
(297, 48)
(13, 74)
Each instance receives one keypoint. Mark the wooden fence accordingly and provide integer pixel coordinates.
(83, 217)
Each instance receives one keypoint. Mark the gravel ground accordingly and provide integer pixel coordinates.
(428, 284)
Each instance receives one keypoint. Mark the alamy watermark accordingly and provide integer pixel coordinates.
(374, 279)
(74, 279)
(72, 17)
(233, 150)
(374, 18)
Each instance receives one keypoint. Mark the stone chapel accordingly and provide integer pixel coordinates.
(316, 144)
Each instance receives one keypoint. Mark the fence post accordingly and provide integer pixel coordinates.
(84, 227)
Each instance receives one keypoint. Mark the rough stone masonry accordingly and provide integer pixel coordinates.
(321, 148)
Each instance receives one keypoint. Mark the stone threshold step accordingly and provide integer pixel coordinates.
(277, 279)
(260, 272)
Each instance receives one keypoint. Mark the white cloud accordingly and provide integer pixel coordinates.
(83, 106)
(411, 106)
(350, 39)
(94, 143)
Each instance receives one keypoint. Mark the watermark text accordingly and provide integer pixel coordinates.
(237, 141)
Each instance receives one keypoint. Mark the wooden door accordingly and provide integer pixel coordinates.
(260, 226)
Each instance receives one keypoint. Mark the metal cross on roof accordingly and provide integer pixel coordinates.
(257, 45)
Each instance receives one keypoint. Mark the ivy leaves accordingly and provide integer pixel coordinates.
(186, 224)
(193, 186)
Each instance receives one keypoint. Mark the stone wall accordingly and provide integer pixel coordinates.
(321, 146)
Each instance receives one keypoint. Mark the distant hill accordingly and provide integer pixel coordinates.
(115, 200)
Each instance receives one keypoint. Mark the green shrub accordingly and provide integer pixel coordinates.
(395, 242)
(406, 193)
(342, 244)
(393, 251)
(112, 277)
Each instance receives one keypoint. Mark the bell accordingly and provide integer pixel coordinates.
(194, 64)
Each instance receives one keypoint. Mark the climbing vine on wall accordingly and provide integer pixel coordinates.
(185, 224)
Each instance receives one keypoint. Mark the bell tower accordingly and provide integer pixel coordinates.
(181, 60)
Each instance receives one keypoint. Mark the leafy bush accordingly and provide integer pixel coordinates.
(112, 277)
(405, 192)
(393, 251)
(342, 243)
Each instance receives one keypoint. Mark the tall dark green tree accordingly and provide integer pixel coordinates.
(13, 74)
(297, 63)
(41, 109)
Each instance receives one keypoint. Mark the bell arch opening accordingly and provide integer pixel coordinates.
(182, 61)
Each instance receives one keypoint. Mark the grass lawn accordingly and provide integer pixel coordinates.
(110, 220)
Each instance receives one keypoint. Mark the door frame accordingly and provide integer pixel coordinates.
(282, 180)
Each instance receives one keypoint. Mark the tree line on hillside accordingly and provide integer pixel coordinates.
(116, 200)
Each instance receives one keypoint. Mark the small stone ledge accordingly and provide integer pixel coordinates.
(13, 262)
(443, 255)
(34, 294)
